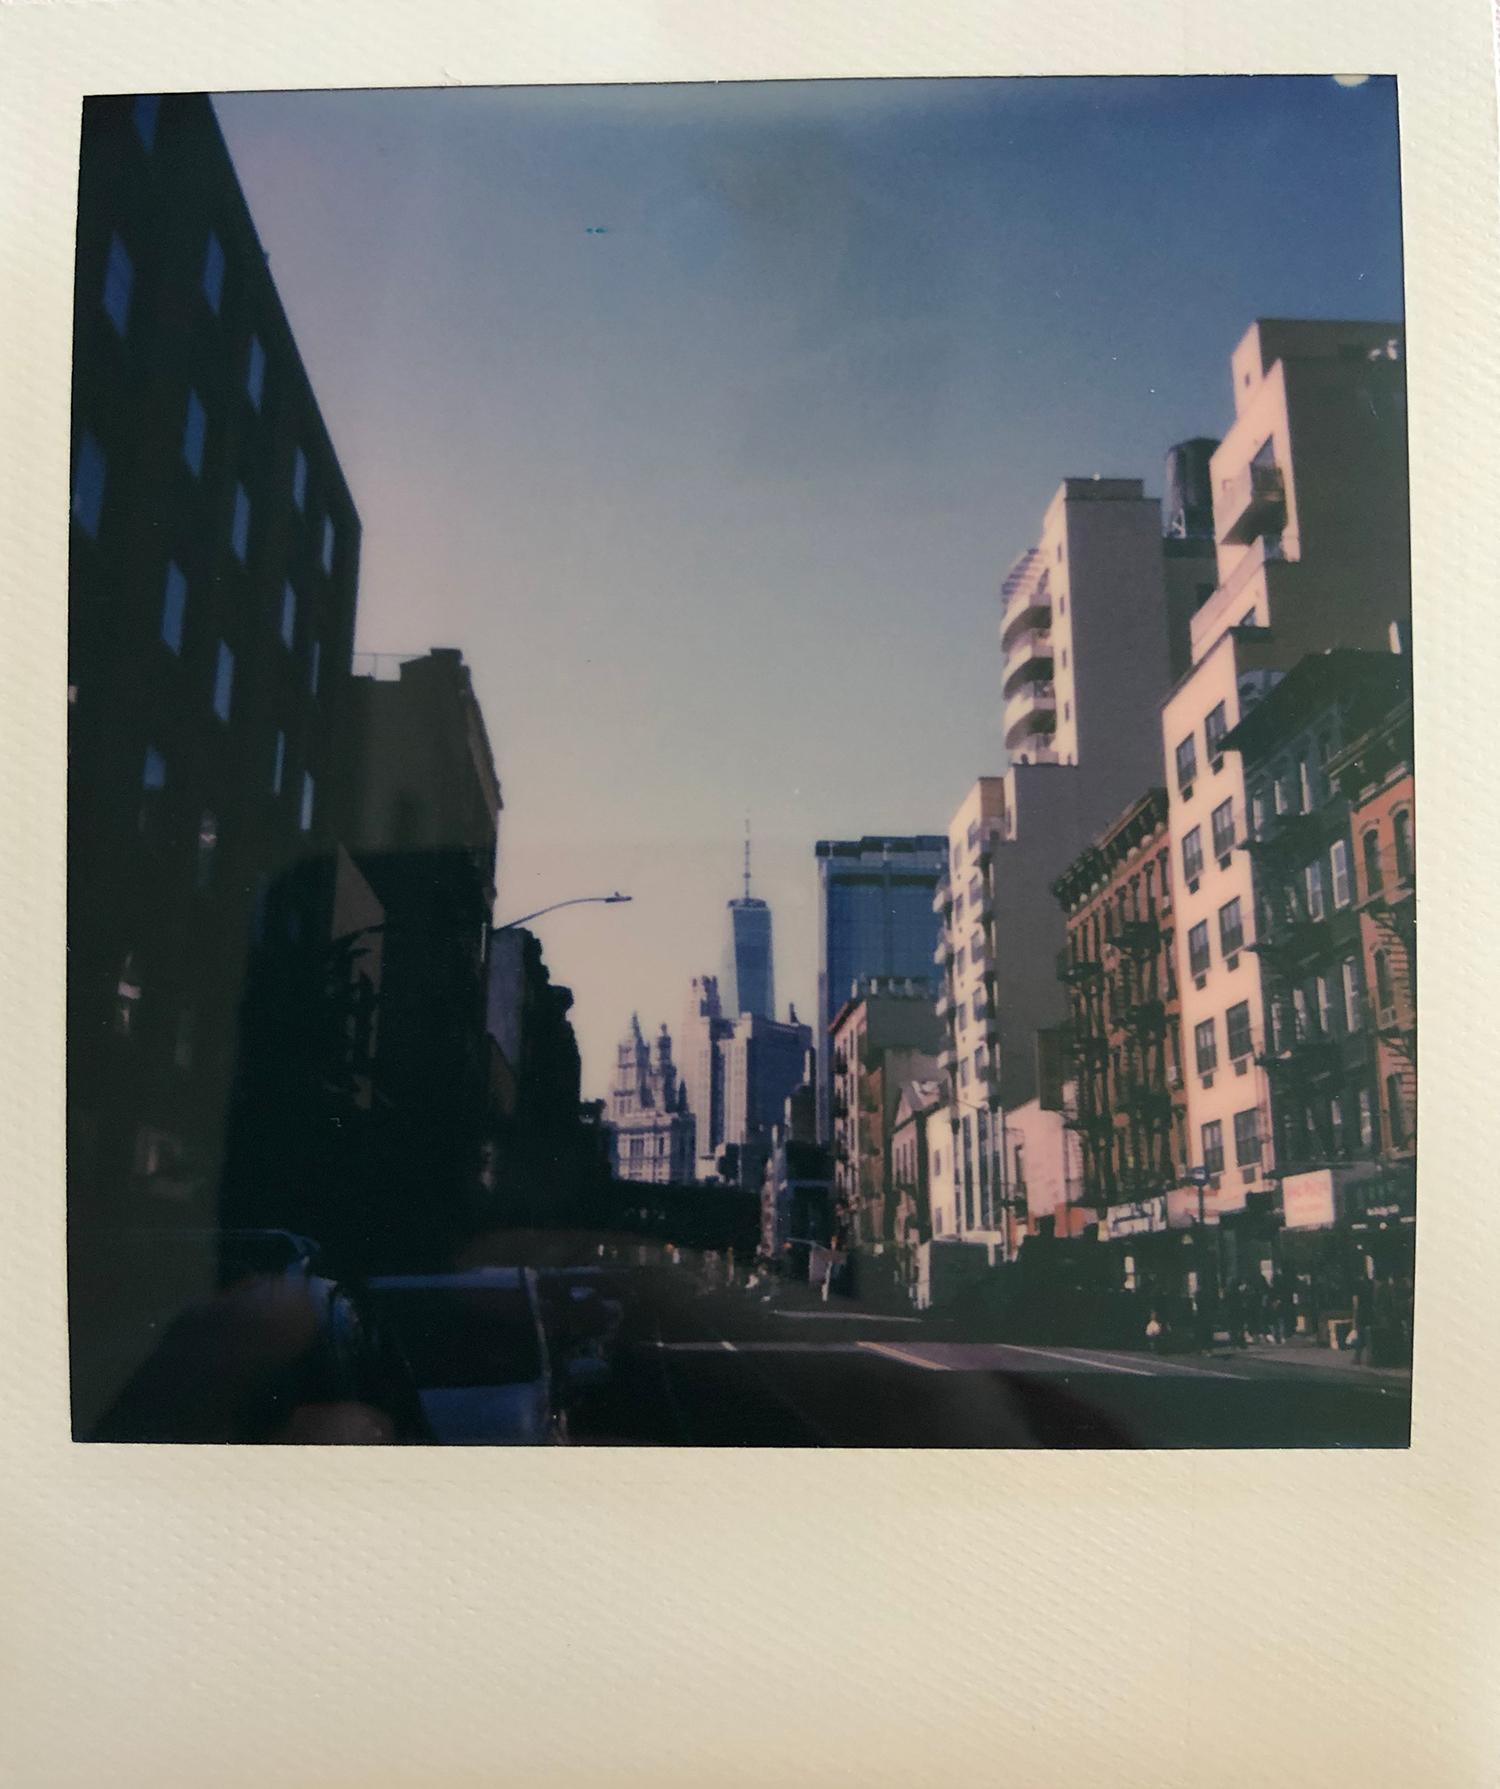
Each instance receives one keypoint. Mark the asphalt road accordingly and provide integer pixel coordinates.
(725, 1371)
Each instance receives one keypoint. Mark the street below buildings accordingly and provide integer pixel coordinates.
(726, 1370)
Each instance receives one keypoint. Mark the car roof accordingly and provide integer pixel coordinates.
(473, 1279)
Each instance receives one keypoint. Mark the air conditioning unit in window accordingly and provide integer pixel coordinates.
(1232, 962)
(1193, 886)
(1207, 1081)
(1388, 1015)
(1185, 791)
(1224, 861)
(1248, 1174)
(1242, 1065)
(1216, 765)
(1200, 982)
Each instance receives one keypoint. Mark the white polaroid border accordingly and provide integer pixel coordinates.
(369, 1617)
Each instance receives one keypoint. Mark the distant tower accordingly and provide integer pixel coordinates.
(748, 979)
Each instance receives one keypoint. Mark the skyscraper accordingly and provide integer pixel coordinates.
(749, 982)
(875, 919)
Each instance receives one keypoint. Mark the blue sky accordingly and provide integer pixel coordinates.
(716, 499)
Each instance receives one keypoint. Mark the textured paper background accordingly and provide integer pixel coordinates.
(371, 1618)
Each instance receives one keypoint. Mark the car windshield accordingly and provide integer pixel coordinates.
(463, 1335)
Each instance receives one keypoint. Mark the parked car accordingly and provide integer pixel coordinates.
(477, 1353)
(583, 1323)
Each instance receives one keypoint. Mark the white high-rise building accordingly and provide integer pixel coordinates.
(1084, 633)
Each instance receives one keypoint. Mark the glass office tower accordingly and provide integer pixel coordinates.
(875, 917)
(748, 983)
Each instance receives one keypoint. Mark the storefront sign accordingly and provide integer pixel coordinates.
(1307, 1200)
(1136, 1219)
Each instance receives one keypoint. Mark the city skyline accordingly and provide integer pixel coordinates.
(848, 340)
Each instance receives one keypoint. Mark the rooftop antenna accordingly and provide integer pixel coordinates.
(747, 857)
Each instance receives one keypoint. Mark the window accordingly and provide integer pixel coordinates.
(88, 486)
(213, 273)
(1206, 1047)
(278, 762)
(182, 1045)
(1258, 813)
(1312, 885)
(255, 372)
(299, 479)
(1237, 1029)
(1247, 1137)
(1281, 792)
(1231, 927)
(937, 1163)
(127, 996)
(1395, 1111)
(1374, 880)
(208, 847)
(174, 607)
(118, 277)
(963, 1071)
(1342, 890)
(1305, 785)
(327, 554)
(314, 666)
(239, 533)
(1187, 761)
(154, 774)
(223, 681)
(1401, 826)
(1385, 994)
(1325, 1005)
(1198, 957)
(1336, 1118)
(143, 115)
(194, 429)
(1215, 726)
(1366, 1119)
(978, 1004)
(305, 813)
(1192, 854)
(288, 615)
(1222, 821)
(1213, 1146)
(1354, 1016)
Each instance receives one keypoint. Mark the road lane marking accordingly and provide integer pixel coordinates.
(729, 1345)
(1082, 1360)
(902, 1354)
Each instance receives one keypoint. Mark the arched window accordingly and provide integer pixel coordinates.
(1401, 825)
(1374, 880)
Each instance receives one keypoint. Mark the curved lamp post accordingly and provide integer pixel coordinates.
(609, 900)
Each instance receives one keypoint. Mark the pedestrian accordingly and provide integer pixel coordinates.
(1155, 1332)
(1358, 1340)
(1234, 1315)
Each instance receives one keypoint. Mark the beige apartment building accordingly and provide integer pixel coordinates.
(1086, 653)
(1311, 524)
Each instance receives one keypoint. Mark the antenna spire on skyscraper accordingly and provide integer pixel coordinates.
(747, 857)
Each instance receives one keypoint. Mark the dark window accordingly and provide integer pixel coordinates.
(1215, 726)
(1231, 927)
(1385, 995)
(213, 272)
(1395, 1106)
(255, 372)
(1222, 821)
(174, 607)
(143, 113)
(1198, 953)
(1237, 1029)
(119, 275)
(1213, 1146)
(288, 615)
(299, 479)
(194, 429)
(1401, 826)
(1192, 854)
(1374, 877)
(239, 532)
(1247, 1137)
(223, 682)
(1206, 1047)
(88, 485)
(1187, 761)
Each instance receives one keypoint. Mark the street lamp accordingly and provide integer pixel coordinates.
(609, 900)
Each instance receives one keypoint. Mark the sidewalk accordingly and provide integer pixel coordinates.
(1303, 1352)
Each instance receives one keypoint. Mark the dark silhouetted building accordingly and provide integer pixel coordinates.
(213, 566)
